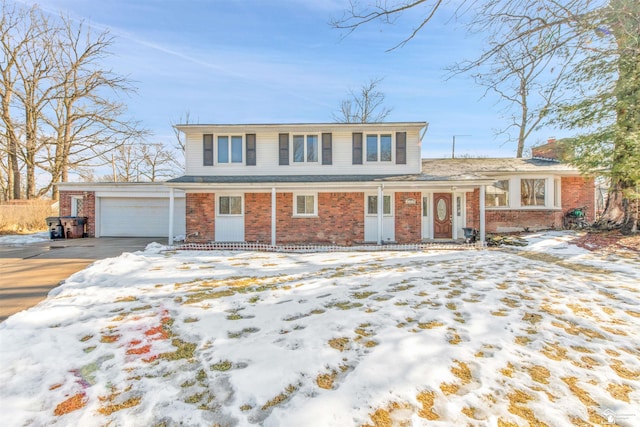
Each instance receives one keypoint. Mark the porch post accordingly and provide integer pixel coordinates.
(380, 213)
(273, 216)
(482, 216)
(171, 208)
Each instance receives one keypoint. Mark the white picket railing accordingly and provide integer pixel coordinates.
(262, 247)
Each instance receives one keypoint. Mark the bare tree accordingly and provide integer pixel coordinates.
(364, 106)
(16, 32)
(527, 82)
(60, 106)
(182, 120)
(597, 39)
(85, 123)
(140, 162)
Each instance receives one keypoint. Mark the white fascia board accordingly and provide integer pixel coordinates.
(329, 186)
(298, 127)
(120, 189)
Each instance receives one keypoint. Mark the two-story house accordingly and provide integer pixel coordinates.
(331, 183)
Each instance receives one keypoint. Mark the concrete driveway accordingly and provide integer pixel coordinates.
(29, 272)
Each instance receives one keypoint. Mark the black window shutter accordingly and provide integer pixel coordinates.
(357, 148)
(401, 148)
(251, 149)
(327, 150)
(207, 150)
(283, 145)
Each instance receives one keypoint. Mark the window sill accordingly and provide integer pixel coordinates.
(305, 216)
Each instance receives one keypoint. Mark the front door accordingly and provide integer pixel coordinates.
(442, 216)
(371, 218)
(229, 225)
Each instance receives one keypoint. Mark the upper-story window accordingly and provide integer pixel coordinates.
(229, 149)
(305, 148)
(379, 148)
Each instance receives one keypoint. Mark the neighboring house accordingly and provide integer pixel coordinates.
(344, 184)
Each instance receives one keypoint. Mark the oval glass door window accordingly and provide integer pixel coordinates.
(441, 210)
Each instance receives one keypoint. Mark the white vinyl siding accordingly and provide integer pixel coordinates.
(267, 155)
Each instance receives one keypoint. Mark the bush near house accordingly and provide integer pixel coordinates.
(26, 216)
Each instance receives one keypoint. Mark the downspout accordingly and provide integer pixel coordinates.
(273, 216)
(482, 216)
(171, 207)
(380, 212)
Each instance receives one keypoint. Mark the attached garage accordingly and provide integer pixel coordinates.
(124, 209)
(138, 216)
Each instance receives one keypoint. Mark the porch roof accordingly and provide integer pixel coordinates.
(265, 179)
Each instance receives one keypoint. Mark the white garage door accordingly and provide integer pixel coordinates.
(140, 217)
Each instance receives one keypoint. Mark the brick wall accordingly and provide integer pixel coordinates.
(88, 208)
(578, 192)
(473, 209)
(408, 227)
(200, 217)
(257, 217)
(340, 220)
(506, 220)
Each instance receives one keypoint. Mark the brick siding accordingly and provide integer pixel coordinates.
(578, 192)
(200, 217)
(340, 220)
(257, 217)
(88, 208)
(408, 220)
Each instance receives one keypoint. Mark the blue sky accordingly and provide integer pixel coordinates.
(279, 61)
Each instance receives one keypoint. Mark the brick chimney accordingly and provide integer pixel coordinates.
(553, 150)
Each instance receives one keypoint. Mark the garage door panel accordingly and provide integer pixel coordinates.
(139, 217)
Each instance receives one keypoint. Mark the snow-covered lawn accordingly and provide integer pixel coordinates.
(23, 239)
(545, 335)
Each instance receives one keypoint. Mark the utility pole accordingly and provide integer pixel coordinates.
(453, 146)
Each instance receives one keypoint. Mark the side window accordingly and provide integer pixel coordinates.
(372, 205)
(77, 206)
(372, 148)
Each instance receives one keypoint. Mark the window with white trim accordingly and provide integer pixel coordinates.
(229, 149)
(372, 205)
(77, 205)
(230, 205)
(557, 193)
(379, 148)
(533, 192)
(305, 205)
(305, 148)
(497, 194)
